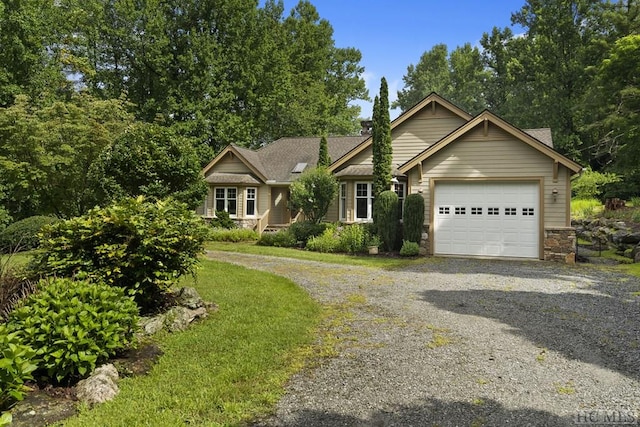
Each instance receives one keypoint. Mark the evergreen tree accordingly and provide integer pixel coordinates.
(381, 141)
(323, 154)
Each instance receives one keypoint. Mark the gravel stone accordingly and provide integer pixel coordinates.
(523, 343)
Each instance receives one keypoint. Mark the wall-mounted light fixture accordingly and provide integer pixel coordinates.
(554, 193)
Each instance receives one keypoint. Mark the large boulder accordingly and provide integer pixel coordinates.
(100, 387)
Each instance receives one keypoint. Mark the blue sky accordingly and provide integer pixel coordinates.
(393, 34)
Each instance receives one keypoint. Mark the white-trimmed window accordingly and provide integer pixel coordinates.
(250, 205)
(227, 200)
(363, 201)
(399, 189)
(343, 201)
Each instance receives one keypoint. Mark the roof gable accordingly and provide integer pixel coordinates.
(430, 101)
(244, 155)
(485, 118)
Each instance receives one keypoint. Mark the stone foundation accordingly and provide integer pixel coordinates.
(247, 223)
(560, 244)
(424, 244)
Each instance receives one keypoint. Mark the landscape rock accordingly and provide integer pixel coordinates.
(100, 387)
(189, 297)
(151, 325)
(179, 318)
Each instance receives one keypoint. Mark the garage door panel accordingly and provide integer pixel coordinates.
(487, 218)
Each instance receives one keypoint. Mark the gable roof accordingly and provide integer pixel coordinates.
(489, 117)
(432, 97)
(276, 161)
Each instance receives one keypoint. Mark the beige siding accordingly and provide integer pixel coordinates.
(264, 199)
(230, 164)
(499, 156)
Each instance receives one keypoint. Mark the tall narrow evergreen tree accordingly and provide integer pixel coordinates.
(323, 155)
(381, 141)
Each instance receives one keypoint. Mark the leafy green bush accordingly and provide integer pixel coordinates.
(386, 218)
(280, 239)
(141, 246)
(74, 325)
(313, 193)
(326, 242)
(233, 235)
(16, 367)
(409, 248)
(584, 208)
(413, 217)
(223, 220)
(589, 184)
(635, 201)
(304, 230)
(352, 239)
(23, 235)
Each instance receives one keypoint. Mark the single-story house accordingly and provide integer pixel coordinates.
(490, 188)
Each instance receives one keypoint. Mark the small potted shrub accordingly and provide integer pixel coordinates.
(373, 244)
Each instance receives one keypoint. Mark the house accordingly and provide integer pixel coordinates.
(490, 188)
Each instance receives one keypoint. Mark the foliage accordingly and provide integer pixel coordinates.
(23, 235)
(585, 208)
(313, 193)
(304, 230)
(46, 152)
(152, 161)
(223, 220)
(233, 235)
(323, 155)
(17, 363)
(381, 145)
(352, 239)
(14, 284)
(276, 316)
(409, 248)
(327, 242)
(74, 325)
(589, 184)
(280, 239)
(141, 246)
(386, 213)
(413, 220)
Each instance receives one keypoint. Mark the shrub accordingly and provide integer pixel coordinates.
(280, 239)
(23, 235)
(413, 217)
(313, 193)
(386, 218)
(74, 325)
(584, 208)
(589, 184)
(16, 367)
(223, 220)
(352, 239)
(409, 248)
(326, 242)
(304, 230)
(14, 286)
(635, 201)
(141, 246)
(234, 235)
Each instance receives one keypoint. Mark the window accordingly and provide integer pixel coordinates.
(399, 190)
(364, 201)
(493, 211)
(226, 200)
(510, 211)
(476, 211)
(527, 211)
(443, 210)
(343, 201)
(250, 207)
(460, 210)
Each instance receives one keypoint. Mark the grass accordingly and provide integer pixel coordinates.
(366, 261)
(438, 338)
(584, 208)
(228, 369)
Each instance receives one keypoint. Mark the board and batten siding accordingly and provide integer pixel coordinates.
(499, 156)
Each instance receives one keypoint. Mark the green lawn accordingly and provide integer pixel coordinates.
(228, 369)
(377, 261)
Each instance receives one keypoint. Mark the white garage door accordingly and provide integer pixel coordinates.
(487, 219)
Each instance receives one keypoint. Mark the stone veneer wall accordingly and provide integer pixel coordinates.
(560, 244)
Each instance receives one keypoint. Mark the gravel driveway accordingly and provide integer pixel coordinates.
(458, 342)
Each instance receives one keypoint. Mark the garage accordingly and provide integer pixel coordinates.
(487, 218)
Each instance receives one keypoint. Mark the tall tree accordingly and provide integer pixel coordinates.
(381, 144)
(323, 153)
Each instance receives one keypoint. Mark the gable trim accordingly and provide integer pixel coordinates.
(485, 118)
(432, 98)
(231, 149)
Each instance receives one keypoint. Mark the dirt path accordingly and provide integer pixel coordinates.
(467, 342)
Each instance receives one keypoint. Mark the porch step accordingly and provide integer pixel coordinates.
(274, 228)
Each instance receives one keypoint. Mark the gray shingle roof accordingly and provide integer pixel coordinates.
(231, 178)
(543, 135)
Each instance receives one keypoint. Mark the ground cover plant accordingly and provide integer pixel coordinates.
(228, 369)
